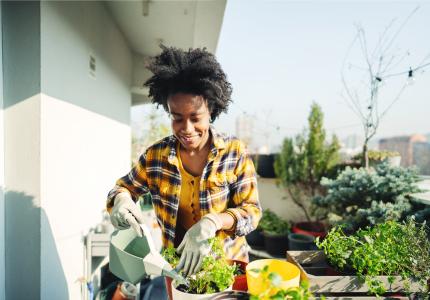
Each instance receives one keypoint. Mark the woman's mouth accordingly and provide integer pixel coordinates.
(189, 139)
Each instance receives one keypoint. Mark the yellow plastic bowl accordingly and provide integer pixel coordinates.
(290, 275)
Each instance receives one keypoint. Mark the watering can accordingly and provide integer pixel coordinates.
(132, 258)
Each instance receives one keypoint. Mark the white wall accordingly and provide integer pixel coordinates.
(82, 154)
(275, 198)
(66, 137)
(2, 223)
(85, 132)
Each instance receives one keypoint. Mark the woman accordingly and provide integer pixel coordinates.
(203, 184)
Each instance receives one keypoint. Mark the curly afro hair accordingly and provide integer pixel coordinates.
(195, 71)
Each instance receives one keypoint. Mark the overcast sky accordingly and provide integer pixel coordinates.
(282, 55)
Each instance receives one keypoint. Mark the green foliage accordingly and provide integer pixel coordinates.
(272, 224)
(274, 292)
(389, 249)
(303, 161)
(377, 155)
(171, 256)
(215, 275)
(381, 155)
(360, 197)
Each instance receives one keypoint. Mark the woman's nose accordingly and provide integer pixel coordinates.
(188, 126)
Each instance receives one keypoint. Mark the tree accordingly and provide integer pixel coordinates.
(154, 130)
(304, 160)
(370, 77)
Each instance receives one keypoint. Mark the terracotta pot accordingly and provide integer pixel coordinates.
(316, 229)
(168, 282)
(240, 283)
(125, 291)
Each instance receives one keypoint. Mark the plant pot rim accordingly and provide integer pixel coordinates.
(274, 234)
(301, 237)
(206, 295)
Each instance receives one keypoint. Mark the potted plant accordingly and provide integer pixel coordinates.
(275, 231)
(390, 249)
(301, 164)
(216, 275)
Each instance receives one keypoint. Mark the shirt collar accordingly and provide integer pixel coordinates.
(217, 144)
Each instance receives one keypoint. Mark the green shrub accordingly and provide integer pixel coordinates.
(360, 197)
(305, 159)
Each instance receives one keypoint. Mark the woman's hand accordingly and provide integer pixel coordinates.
(126, 213)
(195, 245)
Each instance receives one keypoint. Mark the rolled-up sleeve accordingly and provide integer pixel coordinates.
(245, 197)
(134, 183)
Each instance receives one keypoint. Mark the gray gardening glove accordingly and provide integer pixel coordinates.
(126, 213)
(195, 245)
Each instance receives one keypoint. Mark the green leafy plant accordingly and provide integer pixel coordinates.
(272, 224)
(303, 161)
(389, 248)
(361, 197)
(274, 291)
(215, 275)
(382, 155)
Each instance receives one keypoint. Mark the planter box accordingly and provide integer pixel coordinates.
(323, 279)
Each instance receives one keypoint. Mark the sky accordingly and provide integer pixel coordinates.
(280, 56)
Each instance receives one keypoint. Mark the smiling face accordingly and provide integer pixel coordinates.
(190, 117)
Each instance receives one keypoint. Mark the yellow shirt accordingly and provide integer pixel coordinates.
(189, 206)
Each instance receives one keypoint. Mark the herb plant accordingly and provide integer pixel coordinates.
(272, 224)
(389, 249)
(215, 275)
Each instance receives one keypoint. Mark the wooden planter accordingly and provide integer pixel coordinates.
(323, 279)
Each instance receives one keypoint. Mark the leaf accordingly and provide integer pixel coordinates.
(275, 278)
(255, 270)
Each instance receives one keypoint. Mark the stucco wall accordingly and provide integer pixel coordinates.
(2, 246)
(67, 138)
(275, 198)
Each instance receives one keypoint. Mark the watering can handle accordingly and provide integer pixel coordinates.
(148, 237)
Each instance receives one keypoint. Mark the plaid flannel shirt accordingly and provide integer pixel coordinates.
(228, 182)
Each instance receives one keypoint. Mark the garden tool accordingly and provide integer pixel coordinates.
(131, 257)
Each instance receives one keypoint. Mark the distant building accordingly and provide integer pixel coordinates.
(404, 145)
(421, 157)
(353, 141)
(244, 130)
